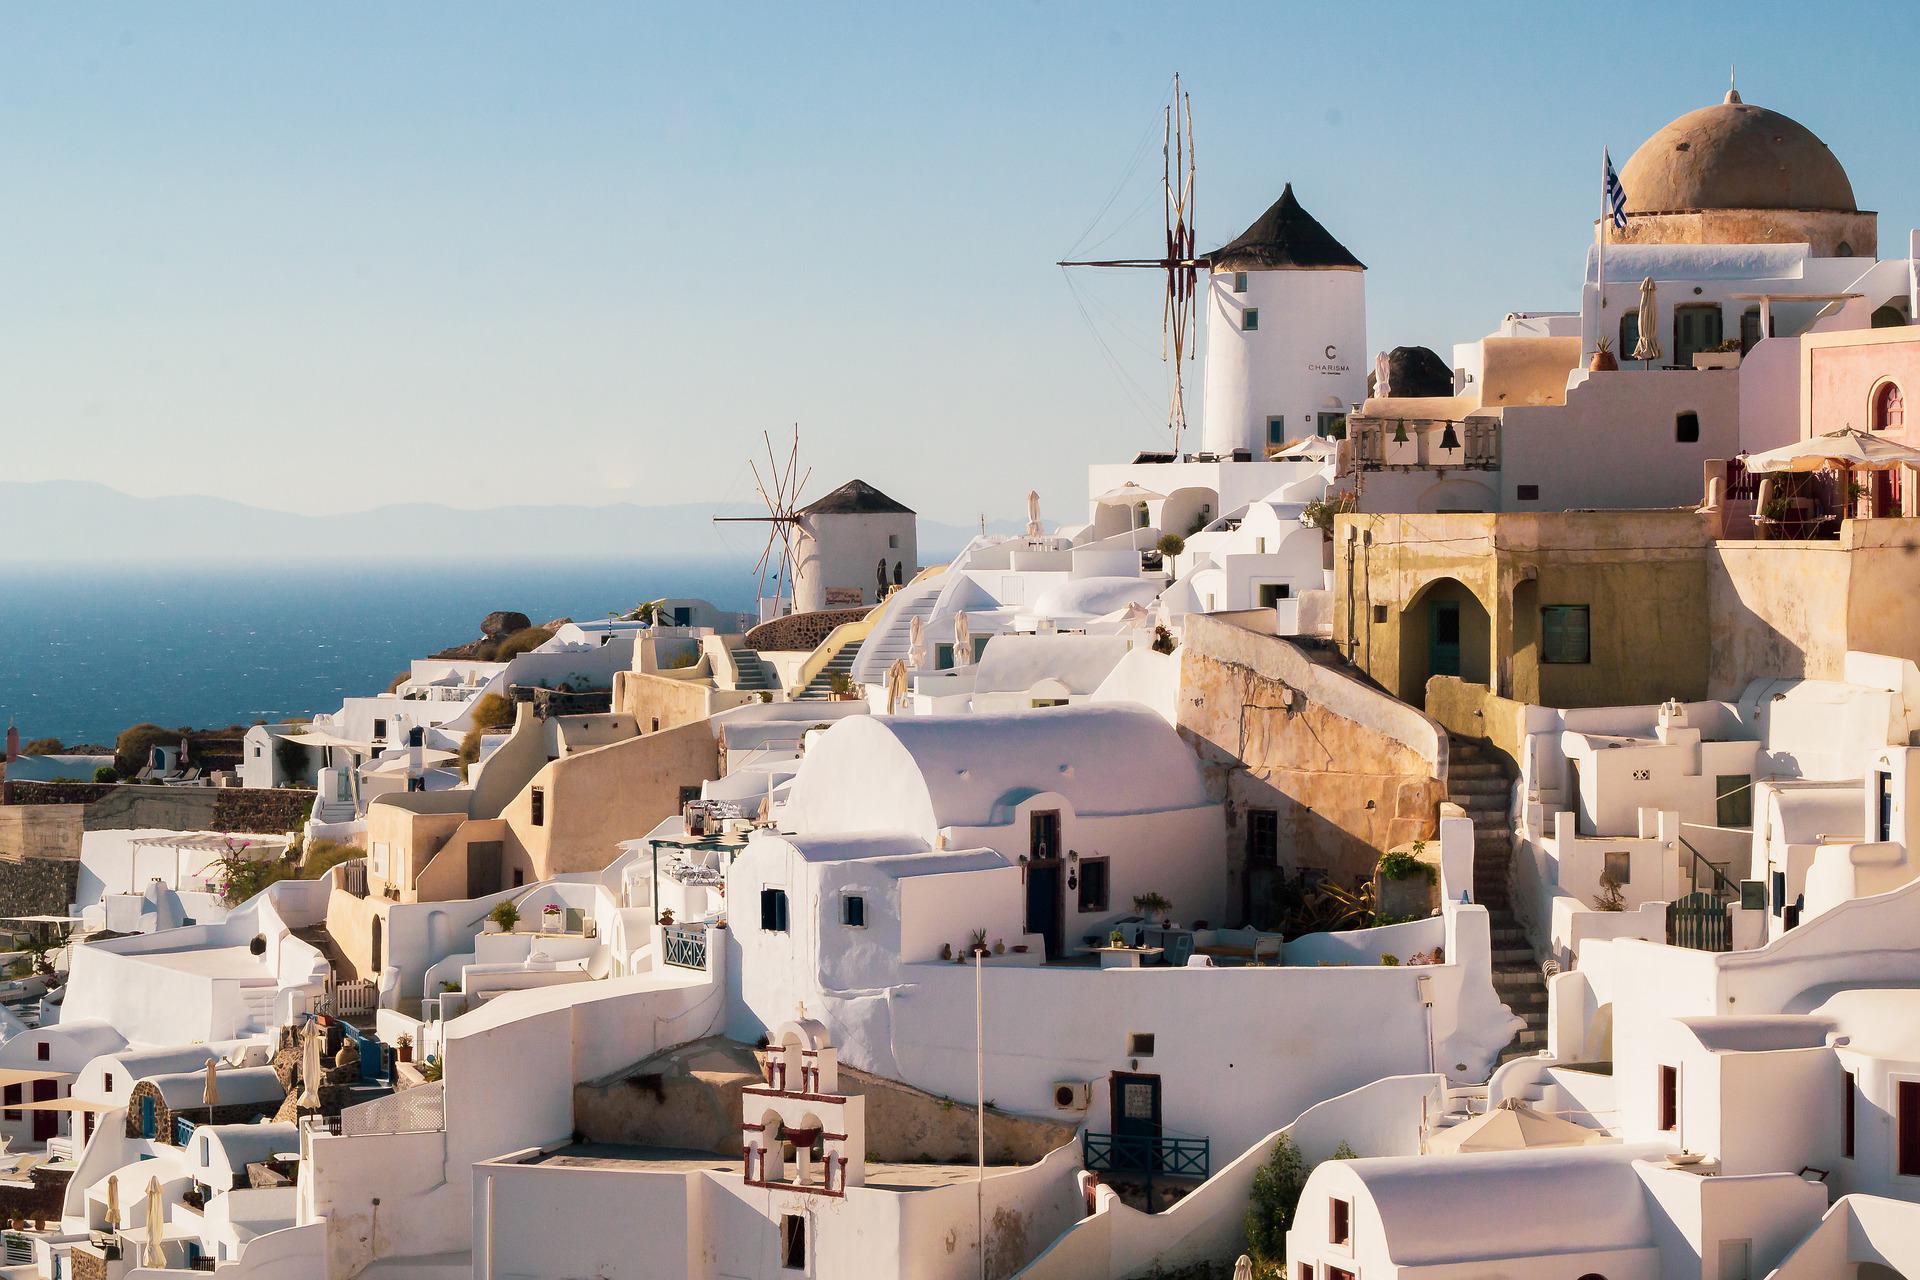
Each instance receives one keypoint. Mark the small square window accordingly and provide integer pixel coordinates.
(1239, 282)
(1250, 319)
(43, 1051)
(1528, 493)
(1733, 799)
(1379, 613)
(773, 910)
(539, 807)
(106, 1081)
(1617, 865)
(1686, 427)
(379, 730)
(893, 541)
(1565, 635)
(853, 911)
(1140, 1044)
(1340, 1222)
(1276, 430)
(1272, 593)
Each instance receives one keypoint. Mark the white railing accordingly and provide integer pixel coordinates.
(422, 1109)
(351, 999)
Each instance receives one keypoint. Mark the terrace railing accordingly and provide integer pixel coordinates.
(684, 945)
(1145, 1156)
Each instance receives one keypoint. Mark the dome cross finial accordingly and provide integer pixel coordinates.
(1733, 85)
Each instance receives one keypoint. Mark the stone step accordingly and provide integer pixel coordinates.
(1477, 784)
(1460, 771)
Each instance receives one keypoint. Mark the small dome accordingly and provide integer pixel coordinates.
(1734, 155)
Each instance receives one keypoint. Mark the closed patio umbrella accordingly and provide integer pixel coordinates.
(896, 684)
(962, 641)
(1243, 1269)
(1648, 346)
(113, 1202)
(210, 1091)
(1034, 527)
(310, 1069)
(151, 1254)
(917, 643)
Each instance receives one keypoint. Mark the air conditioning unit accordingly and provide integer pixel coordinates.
(1072, 1095)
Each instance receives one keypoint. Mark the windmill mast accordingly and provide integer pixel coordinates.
(780, 490)
(1177, 261)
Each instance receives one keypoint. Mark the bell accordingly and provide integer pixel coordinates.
(1400, 431)
(1449, 439)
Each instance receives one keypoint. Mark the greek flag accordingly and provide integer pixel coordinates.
(1615, 196)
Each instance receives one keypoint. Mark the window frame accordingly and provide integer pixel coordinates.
(1276, 429)
(1886, 392)
(1668, 1099)
(1089, 902)
(537, 806)
(1250, 320)
(851, 905)
(1340, 1223)
(1849, 1113)
(1732, 801)
(793, 1231)
(1906, 1133)
(1554, 610)
(775, 914)
(1681, 422)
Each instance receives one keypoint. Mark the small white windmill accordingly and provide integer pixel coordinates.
(780, 489)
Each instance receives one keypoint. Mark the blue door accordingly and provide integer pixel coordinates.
(147, 1119)
(1443, 638)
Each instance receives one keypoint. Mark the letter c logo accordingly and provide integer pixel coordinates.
(1329, 351)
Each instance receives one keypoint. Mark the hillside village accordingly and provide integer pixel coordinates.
(1450, 822)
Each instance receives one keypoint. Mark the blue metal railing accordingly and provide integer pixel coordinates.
(1145, 1156)
(183, 1131)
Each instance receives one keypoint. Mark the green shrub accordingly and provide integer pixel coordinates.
(131, 747)
(1171, 544)
(513, 644)
(1270, 1206)
(1403, 864)
(491, 714)
(506, 915)
(43, 747)
(106, 773)
(322, 856)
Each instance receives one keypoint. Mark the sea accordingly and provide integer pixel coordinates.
(87, 650)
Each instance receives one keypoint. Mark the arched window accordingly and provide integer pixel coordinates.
(1889, 408)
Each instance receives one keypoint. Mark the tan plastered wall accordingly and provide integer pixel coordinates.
(350, 925)
(412, 838)
(1642, 575)
(596, 798)
(1825, 230)
(1471, 710)
(1344, 791)
(41, 830)
(672, 702)
(1795, 608)
(443, 878)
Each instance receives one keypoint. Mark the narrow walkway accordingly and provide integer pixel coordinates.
(1478, 782)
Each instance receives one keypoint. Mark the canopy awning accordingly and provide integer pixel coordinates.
(27, 1075)
(1129, 493)
(1309, 447)
(42, 919)
(65, 1104)
(321, 738)
(1846, 449)
(400, 764)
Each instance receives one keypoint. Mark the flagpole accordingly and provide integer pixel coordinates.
(1606, 216)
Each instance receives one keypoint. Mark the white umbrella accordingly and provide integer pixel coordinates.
(1034, 528)
(1513, 1126)
(896, 684)
(1128, 493)
(1846, 449)
(1243, 1269)
(962, 641)
(210, 1091)
(310, 1069)
(151, 1254)
(113, 1202)
(917, 643)
(1648, 347)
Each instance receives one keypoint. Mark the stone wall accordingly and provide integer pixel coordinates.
(1348, 771)
(802, 632)
(548, 703)
(38, 886)
(40, 831)
(230, 1113)
(127, 806)
(39, 1201)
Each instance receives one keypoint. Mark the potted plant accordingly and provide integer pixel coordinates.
(1724, 356)
(977, 943)
(1154, 905)
(550, 918)
(1603, 360)
(403, 1047)
(504, 915)
(1116, 939)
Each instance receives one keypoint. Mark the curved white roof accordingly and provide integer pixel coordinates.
(244, 1084)
(1436, 1209)
(1091, 597)
(1012, 663)
(919, 774)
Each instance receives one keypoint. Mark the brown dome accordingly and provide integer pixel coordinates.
(1734, 155)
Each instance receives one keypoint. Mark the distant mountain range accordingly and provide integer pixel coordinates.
(64, 521)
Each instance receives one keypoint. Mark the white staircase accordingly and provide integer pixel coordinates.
(891, 635)
(258, 1002)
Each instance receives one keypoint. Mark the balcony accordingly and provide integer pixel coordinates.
(1415, 444)
(684, 946)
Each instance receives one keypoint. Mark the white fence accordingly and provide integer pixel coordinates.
(351, 999)
(421, 1109)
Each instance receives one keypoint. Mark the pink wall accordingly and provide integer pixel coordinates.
(1841, 380)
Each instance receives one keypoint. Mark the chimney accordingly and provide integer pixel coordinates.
(13, 743)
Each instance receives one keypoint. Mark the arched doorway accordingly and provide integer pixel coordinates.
(1523, 673)
(1444, 631)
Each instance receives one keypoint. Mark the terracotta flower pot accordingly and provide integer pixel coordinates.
(1603, 362)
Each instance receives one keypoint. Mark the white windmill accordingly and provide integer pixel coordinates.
(780, 490)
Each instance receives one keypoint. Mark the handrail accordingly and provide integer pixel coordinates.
(837, 639)
(1148, 1155)
(1721, 885)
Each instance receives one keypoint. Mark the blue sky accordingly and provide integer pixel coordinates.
(328, 257)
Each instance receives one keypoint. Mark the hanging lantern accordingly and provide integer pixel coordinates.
(1449, 439)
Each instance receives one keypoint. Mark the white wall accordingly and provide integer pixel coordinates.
(1308, 356)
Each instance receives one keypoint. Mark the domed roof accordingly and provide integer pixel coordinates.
(1734, 155)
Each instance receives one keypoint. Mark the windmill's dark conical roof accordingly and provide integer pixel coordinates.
(1285, 237)
(855, 497)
